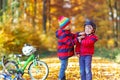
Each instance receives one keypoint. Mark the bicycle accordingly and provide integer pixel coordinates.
(38, 70)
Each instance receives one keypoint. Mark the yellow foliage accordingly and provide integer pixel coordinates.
(53, 10)
(101, 42)
(15, 35)
(102, 69)
(48, 41)
(43, 37)
(75, 9)
(110, 43)
(30, 8)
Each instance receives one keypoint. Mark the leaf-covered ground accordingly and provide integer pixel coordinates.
(102, 69)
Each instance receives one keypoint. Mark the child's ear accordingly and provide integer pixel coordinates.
(93, 31)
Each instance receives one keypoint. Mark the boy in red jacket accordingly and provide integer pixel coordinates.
(85, 50)
(66, 42)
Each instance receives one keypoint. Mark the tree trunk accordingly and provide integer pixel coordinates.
(24, 12)
(114, 16)
(0, 7)
(44, 16)
(49, 16)
(4, 5)
(115, 24)
(35, 1)
(118, 20)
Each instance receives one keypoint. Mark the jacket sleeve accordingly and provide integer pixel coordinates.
(70, 41)
(90, 41)
(74, 37)
(56, 34)
(93, 39)
(77, 48)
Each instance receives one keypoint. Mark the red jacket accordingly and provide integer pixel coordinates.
(66, 42)
(86, 46)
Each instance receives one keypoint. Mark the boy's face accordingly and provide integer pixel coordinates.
(89, 29)
(67, 28)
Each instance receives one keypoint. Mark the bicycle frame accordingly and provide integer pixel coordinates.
(22, 68)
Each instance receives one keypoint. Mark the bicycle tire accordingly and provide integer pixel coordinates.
(11, 66)
(38, 70)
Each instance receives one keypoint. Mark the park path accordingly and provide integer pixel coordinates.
(102, 69)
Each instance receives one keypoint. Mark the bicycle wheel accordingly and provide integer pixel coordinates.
(38, 70)
(11, 67)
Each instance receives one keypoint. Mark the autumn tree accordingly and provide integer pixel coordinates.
(0, 10)
(114, 13)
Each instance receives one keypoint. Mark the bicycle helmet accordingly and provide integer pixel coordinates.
(89, 22)
(28, 50)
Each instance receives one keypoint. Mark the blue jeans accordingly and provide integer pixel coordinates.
(85, 67)
(64, 64)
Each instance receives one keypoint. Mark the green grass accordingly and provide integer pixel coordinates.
(107, 53)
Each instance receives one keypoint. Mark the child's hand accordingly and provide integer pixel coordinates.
(81, 34)
(80, 37)
(77, 54)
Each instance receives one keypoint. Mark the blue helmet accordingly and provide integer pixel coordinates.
(89, 22)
